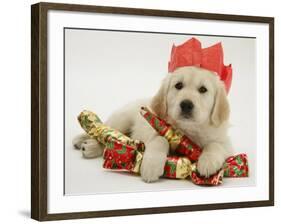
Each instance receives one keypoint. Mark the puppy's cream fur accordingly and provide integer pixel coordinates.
(207, 126)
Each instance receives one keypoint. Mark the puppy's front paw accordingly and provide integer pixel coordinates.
(209, 164)
(151, 168)
(91, 148)
(78, 140)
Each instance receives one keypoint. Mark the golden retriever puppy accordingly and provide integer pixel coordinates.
(193, 100)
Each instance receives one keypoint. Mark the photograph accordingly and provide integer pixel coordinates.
(195, 83)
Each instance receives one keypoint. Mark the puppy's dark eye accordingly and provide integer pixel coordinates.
(202, 89)
(179, 85)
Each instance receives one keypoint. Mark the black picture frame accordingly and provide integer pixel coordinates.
(39, 106)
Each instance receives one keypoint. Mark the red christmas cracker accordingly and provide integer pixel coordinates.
(177, 167)
(213, 180)
(236, 166)
(120, 157)
(179, 143)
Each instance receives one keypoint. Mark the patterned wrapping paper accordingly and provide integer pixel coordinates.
(120, 157)
(94, 127)
(120, 150)
(179, 143)
(213, 180)
(236, 166)
(124, 153)
(177, 167)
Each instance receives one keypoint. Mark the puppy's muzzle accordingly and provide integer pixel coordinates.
(186, 108)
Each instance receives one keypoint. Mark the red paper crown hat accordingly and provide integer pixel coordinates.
(191, 53)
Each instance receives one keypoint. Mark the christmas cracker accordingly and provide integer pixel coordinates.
(124, 153)
(179, 143)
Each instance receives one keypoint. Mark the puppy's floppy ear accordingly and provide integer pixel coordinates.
(221, 110)
(159, 101)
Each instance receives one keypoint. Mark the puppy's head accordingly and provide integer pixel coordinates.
(192, 96)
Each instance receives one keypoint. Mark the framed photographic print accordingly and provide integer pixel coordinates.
(141, 111)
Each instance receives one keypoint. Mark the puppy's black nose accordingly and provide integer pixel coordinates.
(186, 106)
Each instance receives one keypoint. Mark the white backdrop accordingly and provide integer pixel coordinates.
(105, 70)
(15, 102)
